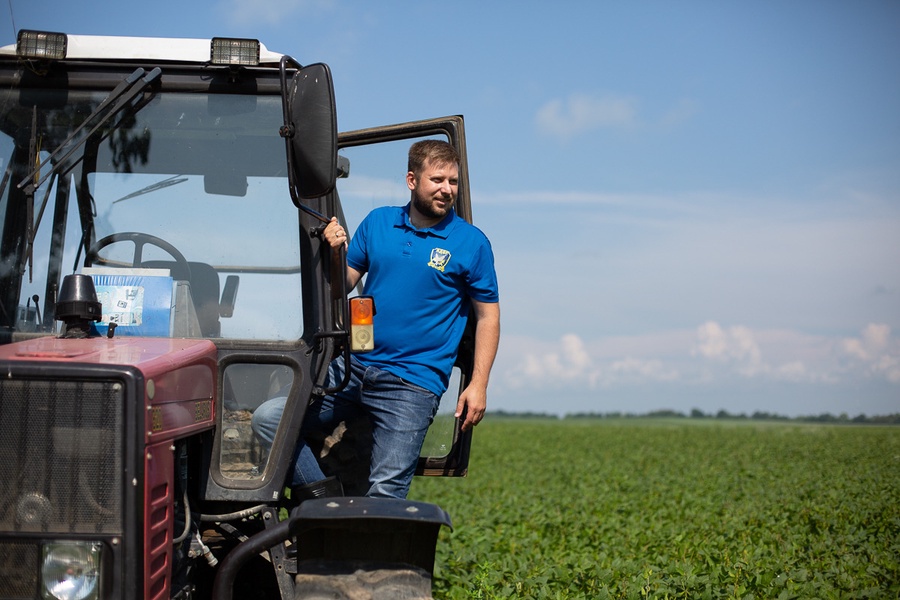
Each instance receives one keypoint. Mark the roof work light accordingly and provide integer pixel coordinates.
(234, 51)
(362, 333)
(41, 44)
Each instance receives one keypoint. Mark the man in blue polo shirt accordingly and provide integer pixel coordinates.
(427, 269)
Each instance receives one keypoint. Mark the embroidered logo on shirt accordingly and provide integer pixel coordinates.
(439, 259)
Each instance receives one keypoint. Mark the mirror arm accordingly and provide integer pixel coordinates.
(282, 69)
(287, 128)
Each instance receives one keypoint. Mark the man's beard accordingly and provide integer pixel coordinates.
(428, 210)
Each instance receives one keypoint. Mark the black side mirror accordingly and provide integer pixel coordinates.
(312, 143)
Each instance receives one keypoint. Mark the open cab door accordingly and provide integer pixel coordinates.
(378, 158)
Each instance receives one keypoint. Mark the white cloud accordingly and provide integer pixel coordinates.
(566, 118)
(736, 345)
(795, 372)
(636, 370)
(581, 113)
(805, 264)
(711, 354)
(873, 341)
(773, 355)
(876, 351)
(567, 361)
(889, 367)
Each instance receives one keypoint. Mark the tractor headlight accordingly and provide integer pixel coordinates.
(70, 571)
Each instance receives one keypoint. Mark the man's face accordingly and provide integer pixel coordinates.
(434, 190)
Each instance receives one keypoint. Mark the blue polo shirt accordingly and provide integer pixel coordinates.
(421, 281)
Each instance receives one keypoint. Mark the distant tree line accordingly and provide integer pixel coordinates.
(696, 413)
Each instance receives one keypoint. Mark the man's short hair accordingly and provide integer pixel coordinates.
(438, 152)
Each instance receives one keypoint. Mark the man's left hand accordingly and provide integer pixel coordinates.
(472, 401)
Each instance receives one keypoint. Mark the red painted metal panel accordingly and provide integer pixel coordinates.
(159, 491)
(179, 374)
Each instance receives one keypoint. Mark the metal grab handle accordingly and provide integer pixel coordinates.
(341, 318)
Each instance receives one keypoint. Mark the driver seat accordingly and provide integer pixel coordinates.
(205, 291)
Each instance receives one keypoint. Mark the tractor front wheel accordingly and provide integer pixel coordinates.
(321, 580)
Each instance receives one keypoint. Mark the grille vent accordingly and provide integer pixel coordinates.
(18, 570)
(61, 456)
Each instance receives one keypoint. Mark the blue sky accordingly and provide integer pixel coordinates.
(692, 204)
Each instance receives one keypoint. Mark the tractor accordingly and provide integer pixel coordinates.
(162, 274)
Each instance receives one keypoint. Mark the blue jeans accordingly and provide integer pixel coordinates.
(399, 411)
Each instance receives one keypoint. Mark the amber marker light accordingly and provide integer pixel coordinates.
(362, 334)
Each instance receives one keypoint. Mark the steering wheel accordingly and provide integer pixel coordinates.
(139, 240)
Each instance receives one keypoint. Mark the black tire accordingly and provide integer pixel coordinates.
(361, 580)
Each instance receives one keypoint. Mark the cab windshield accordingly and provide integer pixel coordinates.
(189, 186)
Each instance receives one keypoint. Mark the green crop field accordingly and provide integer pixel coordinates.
(633, 508)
